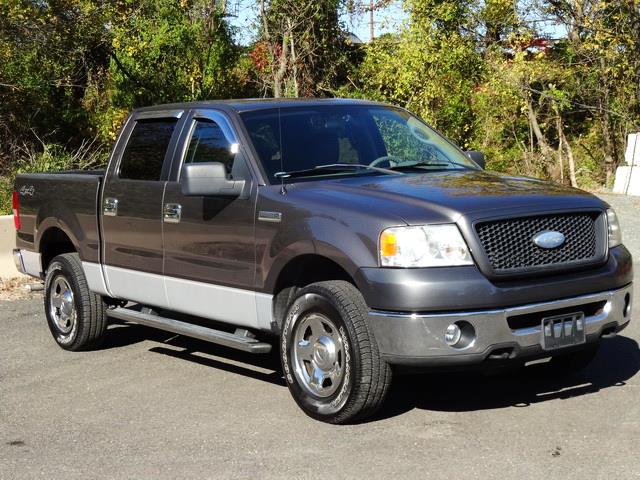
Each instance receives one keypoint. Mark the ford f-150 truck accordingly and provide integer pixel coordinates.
(348, 234)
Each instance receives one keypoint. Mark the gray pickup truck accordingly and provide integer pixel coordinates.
(348, 233)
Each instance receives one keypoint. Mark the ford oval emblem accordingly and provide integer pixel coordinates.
(548, 239)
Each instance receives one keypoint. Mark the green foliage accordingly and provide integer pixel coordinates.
(168, 51)
(6, 187)
(302, 48)
(50, 157)
(47, 51)
(430, 68)
(71, 70)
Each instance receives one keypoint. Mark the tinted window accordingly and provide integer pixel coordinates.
(208, 144)
(408, 139)
(144, 155)
(302, 138)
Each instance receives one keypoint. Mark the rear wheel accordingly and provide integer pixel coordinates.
(76, 316)
(329, 356)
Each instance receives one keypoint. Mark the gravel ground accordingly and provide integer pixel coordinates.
(15, 288)
(153, 405)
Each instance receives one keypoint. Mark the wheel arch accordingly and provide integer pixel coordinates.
(303, 270)
(54, 241)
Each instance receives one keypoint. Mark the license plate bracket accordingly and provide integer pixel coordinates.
(563, 331)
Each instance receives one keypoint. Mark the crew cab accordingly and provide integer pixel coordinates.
(347, 234)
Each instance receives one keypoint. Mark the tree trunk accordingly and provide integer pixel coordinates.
(610, 154)
(546, 150)
(278, 75)
(566, 146)
(294, 61)
(560, 147)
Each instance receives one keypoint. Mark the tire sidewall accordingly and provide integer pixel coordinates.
(308, 301)
(56, 269)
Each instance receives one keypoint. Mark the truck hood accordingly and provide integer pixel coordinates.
(445, 196)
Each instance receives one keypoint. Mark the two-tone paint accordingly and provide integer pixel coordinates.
(223, 260)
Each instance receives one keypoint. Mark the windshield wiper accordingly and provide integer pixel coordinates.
(411, 164)
(333, 167)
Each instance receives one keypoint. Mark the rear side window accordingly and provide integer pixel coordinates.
(145, 151)
(209, 144)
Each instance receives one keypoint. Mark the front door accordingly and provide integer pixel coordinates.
(132, 209)
(209, 261)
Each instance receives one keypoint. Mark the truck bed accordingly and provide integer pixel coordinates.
(65, 200)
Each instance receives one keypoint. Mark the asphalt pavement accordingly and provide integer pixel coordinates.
(154, 405)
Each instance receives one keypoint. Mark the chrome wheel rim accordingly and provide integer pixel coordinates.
(61, 305)
(318, 355)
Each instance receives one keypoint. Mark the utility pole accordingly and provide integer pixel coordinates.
(371, 27)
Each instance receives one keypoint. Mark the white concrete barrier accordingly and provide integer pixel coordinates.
(627, 179)
(7, 244)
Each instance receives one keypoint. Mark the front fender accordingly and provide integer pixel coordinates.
(323, 237)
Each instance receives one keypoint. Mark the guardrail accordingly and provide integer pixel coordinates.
(7, 244)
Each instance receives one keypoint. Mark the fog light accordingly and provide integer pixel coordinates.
(452, 334)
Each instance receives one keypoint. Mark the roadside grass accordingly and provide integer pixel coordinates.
(51, 157)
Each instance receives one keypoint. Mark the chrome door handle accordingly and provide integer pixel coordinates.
(110, 208)
(172, 212)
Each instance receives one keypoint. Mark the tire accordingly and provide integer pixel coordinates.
(329, 355)
(570, 363)
(76, 316)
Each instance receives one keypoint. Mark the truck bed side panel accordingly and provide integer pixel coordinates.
(67, 201)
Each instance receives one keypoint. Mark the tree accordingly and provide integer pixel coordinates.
(301, 47)
(50, 52)
(432, 67)
(168, 51)
(604, 39)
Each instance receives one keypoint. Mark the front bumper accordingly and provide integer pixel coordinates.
(415, 339)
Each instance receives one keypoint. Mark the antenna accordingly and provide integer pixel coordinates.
(283, 187)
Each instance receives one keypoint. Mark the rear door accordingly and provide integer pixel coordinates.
(209, 244)
(132, 208)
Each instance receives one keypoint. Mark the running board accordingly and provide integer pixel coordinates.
(239, 342)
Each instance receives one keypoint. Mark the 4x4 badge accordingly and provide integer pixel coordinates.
(27, 191)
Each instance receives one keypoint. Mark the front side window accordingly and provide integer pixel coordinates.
(209, 144)
(303, 138)
(144, 154)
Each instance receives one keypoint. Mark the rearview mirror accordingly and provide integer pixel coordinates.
(477, 157)
(209, 179)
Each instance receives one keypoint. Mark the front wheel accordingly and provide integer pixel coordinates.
(330, 357)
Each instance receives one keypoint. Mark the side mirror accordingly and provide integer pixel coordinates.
(477, 157)
(209, 179)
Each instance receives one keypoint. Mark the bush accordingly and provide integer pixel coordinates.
(6, 187)
(50, 158)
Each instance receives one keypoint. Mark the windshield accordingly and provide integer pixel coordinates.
(307, 137)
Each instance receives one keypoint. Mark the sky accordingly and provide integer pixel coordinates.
(385, 20)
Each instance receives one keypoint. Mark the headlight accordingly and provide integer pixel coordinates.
(615, 234)
(423, 246)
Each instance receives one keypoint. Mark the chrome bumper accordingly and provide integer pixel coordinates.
(27, 262)
(418, 339)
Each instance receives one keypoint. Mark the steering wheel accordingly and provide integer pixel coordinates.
(392, 159)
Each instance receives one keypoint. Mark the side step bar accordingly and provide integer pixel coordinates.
(239, 342)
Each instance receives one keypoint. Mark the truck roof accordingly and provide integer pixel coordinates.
(249, 104)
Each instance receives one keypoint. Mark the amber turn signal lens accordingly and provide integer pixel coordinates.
(388, 244)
